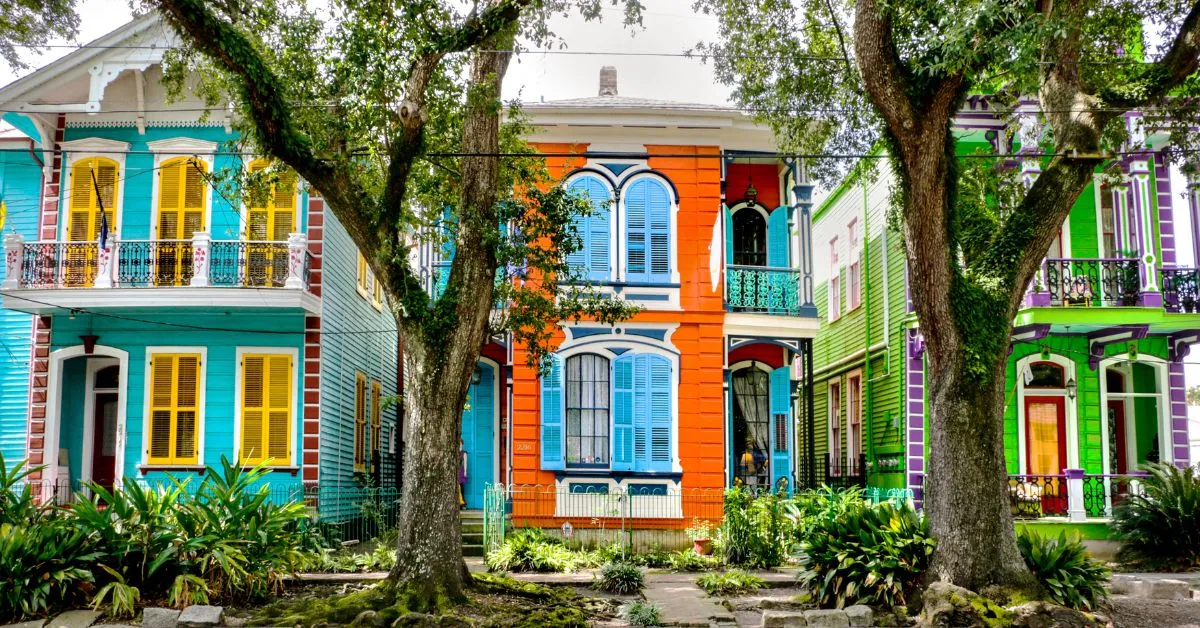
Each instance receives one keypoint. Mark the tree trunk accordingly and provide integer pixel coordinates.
(966, 496)
(429, 565)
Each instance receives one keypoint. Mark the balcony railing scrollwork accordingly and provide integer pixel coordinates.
(1033, 496)
(199, 262)
(762, 289)
(1180, 289)
(1092, 281)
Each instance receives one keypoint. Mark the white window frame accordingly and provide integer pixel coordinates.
(201, 403)
(854, 274)
(835, 281)
(172, 148)
(615, 231)
(297, 400)
(854, 447)
(833, 422)
(86, 148)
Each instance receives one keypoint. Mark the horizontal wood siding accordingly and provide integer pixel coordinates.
(21, 191)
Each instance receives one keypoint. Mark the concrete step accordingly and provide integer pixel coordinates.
(472, 550)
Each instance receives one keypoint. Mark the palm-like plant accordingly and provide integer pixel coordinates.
(1064, 567)
(1160, 527)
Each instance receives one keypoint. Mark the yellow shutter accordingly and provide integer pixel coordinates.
(174, 408)
(277, 217)
(83, 214)
(266, 409)
(180, 214)
(360, 422)
(362, 274)
(376, 416)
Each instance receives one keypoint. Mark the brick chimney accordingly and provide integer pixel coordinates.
(608, 81)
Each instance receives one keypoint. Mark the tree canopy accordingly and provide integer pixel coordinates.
(32, 24)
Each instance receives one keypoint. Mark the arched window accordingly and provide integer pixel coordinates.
(1046, 375)
(591, 261)
(648, 231)
(751, 424)
(181, 205)
(587, 410)
(93, 188)
(749, 237)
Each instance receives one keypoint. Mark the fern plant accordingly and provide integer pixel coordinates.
(732, 582)
(1160, 527)
(1065, 569)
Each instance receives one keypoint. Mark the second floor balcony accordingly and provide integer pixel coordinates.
(766, 290)
(45, 276)
(1115, 282)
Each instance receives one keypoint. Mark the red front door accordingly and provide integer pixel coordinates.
(1045, 435)
(1116, 412)
(104, 440)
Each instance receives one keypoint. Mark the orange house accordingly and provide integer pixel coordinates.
(700, 223)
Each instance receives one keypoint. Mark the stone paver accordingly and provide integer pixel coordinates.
(830, 618)
(159, 617)
(36, 623)
(340, 578)
(201, 616)
(684, 604)
(782, 619)
(860, 615)
(74, 619)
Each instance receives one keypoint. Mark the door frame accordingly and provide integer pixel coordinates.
(94, 365)
(54, 410)
(495, 366)
(1071, 420)
(1162, 381)
(730, 453)
(1061, 402)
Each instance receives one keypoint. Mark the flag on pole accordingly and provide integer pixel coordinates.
(103, 235)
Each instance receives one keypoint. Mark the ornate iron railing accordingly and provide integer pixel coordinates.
(842, 473)
(249, 263)
(1103, 492)
(54, 264)
(143, 263)
(762, 289)
(1180, 289)
(1092, 282)
(1033, 496)
(156, 263)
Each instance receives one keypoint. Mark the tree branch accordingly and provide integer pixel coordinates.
(1156, 80)
(879, 64)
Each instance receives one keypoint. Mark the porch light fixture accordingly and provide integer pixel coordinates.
(476, 376)
(1072, 388)
(751, 191)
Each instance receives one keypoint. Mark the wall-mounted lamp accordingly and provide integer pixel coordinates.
(476, 376)
(1072, 388)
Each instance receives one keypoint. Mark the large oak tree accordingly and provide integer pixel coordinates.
(391, 112)
(840, 76)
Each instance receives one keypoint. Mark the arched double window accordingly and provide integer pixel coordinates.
(608, 413)
(749, 237)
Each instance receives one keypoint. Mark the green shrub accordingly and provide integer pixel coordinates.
(1160, 529)
(620, 578)
(755, 531)
(1065, 569)
(532, 550)
(689, 560)
(865, 555)
(642, 613)
(732, 582)
(821, 504)
(655, 559)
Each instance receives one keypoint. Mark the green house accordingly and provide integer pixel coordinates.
(1095, 376)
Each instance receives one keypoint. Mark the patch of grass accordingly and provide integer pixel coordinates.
(642, 613)
(732, 582)
(619, 578)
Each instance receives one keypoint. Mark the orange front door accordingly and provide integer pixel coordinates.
(1045, 435)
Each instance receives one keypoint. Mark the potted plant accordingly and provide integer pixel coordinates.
(701, 534)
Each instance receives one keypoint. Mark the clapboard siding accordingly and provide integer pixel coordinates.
(20, 189)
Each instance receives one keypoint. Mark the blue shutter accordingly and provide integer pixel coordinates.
(777, 238)
(660, 386)
(622, 454)
(591, 260)
(552, 417)
(441, 266)
(658, 231)
(635, 233)
(641, 413)
(781, 423)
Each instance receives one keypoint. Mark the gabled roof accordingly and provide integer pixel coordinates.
(82, 58)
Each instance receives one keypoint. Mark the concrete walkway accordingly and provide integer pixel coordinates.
(682, 603)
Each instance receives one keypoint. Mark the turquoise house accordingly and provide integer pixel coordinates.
(151, 326)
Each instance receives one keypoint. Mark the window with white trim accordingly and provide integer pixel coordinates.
(854, 271)
(835, 424)
(835, 287)
(854, 430)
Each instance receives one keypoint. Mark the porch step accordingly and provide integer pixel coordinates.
(472, 550)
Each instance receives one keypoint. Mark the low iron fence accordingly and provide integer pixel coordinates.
(1034, 496)
(1092, 281)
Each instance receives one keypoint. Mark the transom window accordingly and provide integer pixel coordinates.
(588, 395)
(1046, 375)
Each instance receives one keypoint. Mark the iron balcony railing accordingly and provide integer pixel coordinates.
(762, 289)
(1103, 492)
(199, 262)
(1092, 281)
(1180, 289)
(1033, 496)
